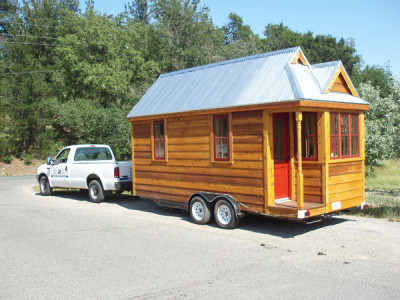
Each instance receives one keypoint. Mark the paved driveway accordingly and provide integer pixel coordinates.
(65, 247)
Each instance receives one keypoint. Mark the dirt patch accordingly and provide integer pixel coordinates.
(18, 168)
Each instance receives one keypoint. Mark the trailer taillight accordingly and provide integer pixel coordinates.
(116, 172)
(308, 213)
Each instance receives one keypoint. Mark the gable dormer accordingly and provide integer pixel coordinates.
(299, 58)
(332, 77)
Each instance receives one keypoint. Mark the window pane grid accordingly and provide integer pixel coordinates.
(354, 136)
(221, 138)
(309, 134)
(159, 140)
(344, 135)
(334, 135)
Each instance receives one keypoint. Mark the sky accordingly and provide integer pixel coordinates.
(373, 24)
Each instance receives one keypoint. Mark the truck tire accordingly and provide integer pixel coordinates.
(225, 215)
(45, 188)
(96, 192)
(200, 211)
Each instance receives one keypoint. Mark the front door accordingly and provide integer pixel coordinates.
(59, 175)
(281, 156)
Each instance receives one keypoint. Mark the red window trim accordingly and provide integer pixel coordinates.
(335, 135)
(358, 135)
(155, 140)
(350, 135)
(303, 158)
(315, 135)
(227, 138)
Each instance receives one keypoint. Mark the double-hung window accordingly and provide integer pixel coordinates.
(159, 139)
(221, 138)
(345, 141)
(309, 136)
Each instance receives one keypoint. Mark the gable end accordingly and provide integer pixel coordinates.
(299, 59)
(341, 83)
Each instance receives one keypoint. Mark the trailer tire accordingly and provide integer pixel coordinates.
(96, 191)
(200, 211)
(45, 188)
(225, 215)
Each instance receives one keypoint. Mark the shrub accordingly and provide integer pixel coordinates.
(7, 158)
(28, 159)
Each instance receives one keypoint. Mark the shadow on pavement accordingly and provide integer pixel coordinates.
(266, 225)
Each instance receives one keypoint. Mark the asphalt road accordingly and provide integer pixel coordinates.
(64, 247)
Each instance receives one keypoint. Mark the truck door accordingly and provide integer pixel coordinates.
(59, 176)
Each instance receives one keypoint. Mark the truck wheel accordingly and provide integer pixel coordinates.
(225, 215)
(96, 192)
(45, 188)
(200, 211)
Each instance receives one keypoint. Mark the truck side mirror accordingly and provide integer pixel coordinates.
(48, 160)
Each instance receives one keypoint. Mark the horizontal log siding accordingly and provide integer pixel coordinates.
(312, 174)
(346, 181)
(189, 168)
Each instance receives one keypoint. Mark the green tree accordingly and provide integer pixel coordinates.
(320, 48)
(187, 33)
(239, 39)
(103, 75)
(28, 53)
(382, 122)
(138, 11)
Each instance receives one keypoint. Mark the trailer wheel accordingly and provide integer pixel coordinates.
(200, 211)
(96, 192)
(45, 188)
(225, 215)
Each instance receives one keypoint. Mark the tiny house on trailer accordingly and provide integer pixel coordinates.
(266, 134)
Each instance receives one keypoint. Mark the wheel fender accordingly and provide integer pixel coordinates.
(45, 175)
(91, 177)
(232, 201)
(198, 194)
(213, 198)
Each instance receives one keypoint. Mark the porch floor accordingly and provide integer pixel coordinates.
(293, 204)
(289, 209)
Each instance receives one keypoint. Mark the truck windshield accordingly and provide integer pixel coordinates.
(92, 153)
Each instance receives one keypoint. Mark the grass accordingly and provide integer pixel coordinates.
(383, 192)
(381, 205)
(386, 177)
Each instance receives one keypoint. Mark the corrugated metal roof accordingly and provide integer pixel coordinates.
(258, 79)
(324, 73)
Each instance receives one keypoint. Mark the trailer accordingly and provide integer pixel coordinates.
(267, 134)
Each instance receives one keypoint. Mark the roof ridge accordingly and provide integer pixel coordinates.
(231, 61)
(327, 64)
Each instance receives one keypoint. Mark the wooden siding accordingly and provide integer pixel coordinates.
(346, 181)
(189, 168)
(340, 85)
(312, 174)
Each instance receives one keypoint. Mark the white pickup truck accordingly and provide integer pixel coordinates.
(85, 167)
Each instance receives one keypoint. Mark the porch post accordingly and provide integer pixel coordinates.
(300, 191)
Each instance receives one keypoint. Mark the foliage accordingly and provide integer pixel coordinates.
(381, 124)
(28, 159)
(321, 48)
(6, 158)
